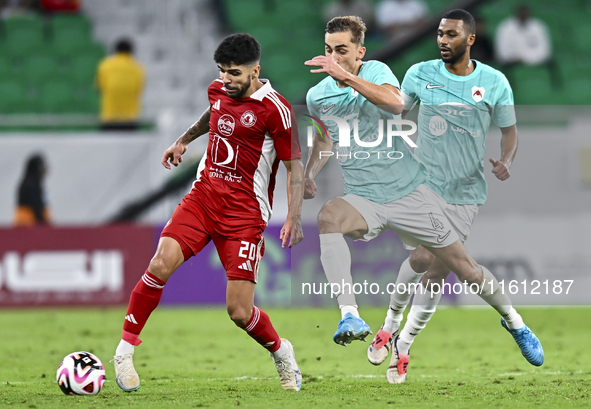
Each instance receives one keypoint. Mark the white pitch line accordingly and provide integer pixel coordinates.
(30, 382)
(242, 378)
(354, 376)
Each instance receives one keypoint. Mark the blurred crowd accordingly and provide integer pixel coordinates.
(519, 39)
(10, 8)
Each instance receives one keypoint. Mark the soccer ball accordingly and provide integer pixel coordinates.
(81, 373)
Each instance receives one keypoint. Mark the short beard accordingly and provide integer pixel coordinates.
(456, 55)
(243, 91)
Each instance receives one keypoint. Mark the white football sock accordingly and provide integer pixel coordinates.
(349, 309)
(492, 293)
(336, 261)
(281, 351)
(423, 307)
(399, 301)
(123, 348)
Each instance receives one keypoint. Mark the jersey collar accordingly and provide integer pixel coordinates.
(260, 93)
(454, 77)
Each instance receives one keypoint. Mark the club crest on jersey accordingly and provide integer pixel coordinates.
(478, 93)
(226, 125)
(248, 119)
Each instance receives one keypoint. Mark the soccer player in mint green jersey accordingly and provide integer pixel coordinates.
(459, 98)
(381, 193)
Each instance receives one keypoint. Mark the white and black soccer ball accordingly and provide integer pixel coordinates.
(81, 373)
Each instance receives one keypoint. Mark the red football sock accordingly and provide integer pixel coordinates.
(144, 299)
(260, 328)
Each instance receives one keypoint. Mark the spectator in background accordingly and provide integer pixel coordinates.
(120, 81)
(482, 49)
(525, 40)
(522, 39)
(60, 6)
(360, 8)
(397, 18)
(31, 208)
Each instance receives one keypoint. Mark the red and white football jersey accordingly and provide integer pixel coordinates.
(247, 139)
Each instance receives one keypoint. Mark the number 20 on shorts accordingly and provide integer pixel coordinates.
(247, 250)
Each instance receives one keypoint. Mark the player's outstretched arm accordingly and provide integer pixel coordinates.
(509, 142)
(319, 153)
(175, 152)
(292, 229)
(386, 96)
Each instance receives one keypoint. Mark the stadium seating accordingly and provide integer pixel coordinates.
(48, 66)
(56, 97)
(70, 33)
(6, 69)
(39, 69)
(23, 35)
(290, 31)
(14, 97)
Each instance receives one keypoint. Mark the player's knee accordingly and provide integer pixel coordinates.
(328, 221)
(159, 268)
(420, 261)
(239, 315)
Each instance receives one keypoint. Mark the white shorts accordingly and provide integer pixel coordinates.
(418, 218)
(461, 218)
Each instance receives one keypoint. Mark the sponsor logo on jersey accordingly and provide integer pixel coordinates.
(478, 93)
(248, 119)
(226, 125)
(437, 125)
(217, 104)
(455, 109)
(224, 153)
(473, 134)
(432, 86)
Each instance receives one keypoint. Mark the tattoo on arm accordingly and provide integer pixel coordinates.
(199, 128)
(295, 182)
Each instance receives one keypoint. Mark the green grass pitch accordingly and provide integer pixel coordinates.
(195, 358)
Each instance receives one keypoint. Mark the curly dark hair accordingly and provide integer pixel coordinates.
(239, 49)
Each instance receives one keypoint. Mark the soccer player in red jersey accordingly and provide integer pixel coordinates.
(251, 128)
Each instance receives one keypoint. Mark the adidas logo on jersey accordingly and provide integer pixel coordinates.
(130, 318)
(246, 266)
(216, 105)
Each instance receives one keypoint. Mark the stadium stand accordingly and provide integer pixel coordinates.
(174, 38)
(40, 65)
(290, 32)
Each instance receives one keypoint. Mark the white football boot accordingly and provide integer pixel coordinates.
(287, 367)
(125, 374)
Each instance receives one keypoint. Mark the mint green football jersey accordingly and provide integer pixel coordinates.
(454, 118)
(380, 173)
